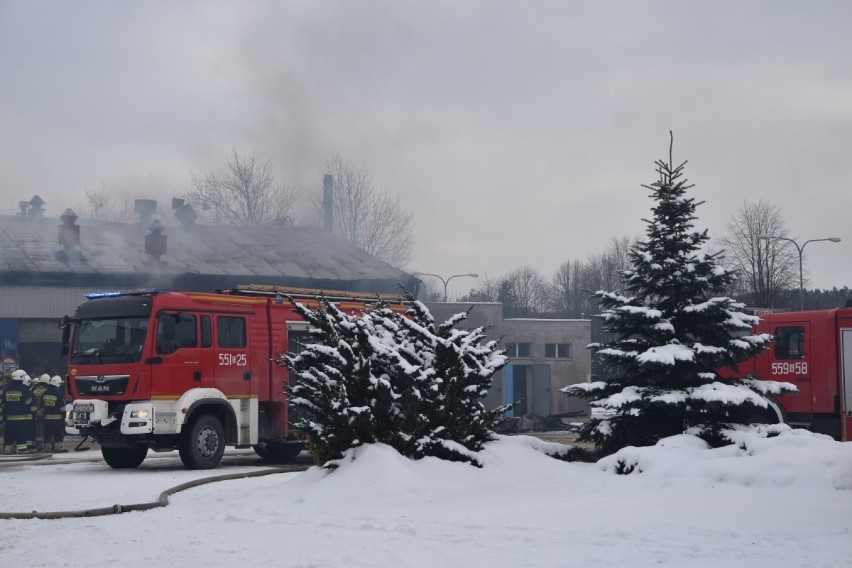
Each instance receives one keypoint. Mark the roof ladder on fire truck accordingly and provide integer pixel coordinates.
(332, 295)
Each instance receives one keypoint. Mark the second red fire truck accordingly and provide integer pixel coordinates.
(188, 371)
(812, 350)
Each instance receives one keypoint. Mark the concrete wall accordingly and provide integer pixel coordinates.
(544, 375)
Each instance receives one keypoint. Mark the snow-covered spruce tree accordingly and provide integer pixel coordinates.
(403, 361)
(671, 337)
(342, 402)
(459, 365)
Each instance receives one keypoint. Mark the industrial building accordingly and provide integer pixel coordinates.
(48, 264)
(544, 356)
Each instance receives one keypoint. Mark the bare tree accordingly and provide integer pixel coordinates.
(766, 267)
(574, 282)
(488, 290)
(430, 291)
(619, 252)
(523, 293)
(604, 270)
(370, 217)
(101, 204)
(561, 298)
(243, 192)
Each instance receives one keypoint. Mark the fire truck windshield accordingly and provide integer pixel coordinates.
(109, 340)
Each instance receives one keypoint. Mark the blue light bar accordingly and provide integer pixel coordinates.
(117, 293)
(95, 295)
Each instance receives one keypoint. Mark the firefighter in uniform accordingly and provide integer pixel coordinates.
(18, 413)
(40, 385)
(28, 382)
(53, 404)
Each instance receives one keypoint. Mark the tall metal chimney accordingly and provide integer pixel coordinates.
(328, 202)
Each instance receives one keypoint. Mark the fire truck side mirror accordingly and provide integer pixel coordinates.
(65, 326)
(66, 335)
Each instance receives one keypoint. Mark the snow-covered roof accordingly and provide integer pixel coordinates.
(30, 249)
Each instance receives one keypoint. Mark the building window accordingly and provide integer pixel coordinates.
(519, 349)
(557, 350)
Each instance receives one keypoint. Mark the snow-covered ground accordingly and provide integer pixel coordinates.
(777, 502)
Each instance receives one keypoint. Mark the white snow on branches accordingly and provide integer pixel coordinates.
(667, 354)
(649, 313)
(728, 393)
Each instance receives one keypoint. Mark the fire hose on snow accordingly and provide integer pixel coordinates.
(162, 501)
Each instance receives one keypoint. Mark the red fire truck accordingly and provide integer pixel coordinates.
(189, 371)
(812, 350)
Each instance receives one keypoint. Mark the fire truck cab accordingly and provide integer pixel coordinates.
(812, 350)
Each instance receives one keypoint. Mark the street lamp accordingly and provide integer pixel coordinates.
(800, 249)
(447, 280)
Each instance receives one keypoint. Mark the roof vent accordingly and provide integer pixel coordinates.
(69, 237)
(36, 210)
(155, 243)
(146, 209)
(184, 212)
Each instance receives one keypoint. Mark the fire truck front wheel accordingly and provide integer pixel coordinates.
(202, 443)
(124, 458)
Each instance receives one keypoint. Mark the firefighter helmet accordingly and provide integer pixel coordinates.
(56, 381)
(44, 378)
(27, 380)
(18, 375)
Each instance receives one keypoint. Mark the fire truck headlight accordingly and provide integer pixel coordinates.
(139, 414)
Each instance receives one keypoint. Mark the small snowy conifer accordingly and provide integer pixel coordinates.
(460, 366)
(671, 337)
(334, 387)
(379, 376)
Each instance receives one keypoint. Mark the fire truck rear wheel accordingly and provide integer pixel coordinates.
(203, 443)
(124, 458)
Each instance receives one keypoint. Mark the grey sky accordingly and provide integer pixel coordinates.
(518, 132)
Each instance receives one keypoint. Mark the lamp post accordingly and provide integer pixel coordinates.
(447, 280)
(801, 250)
